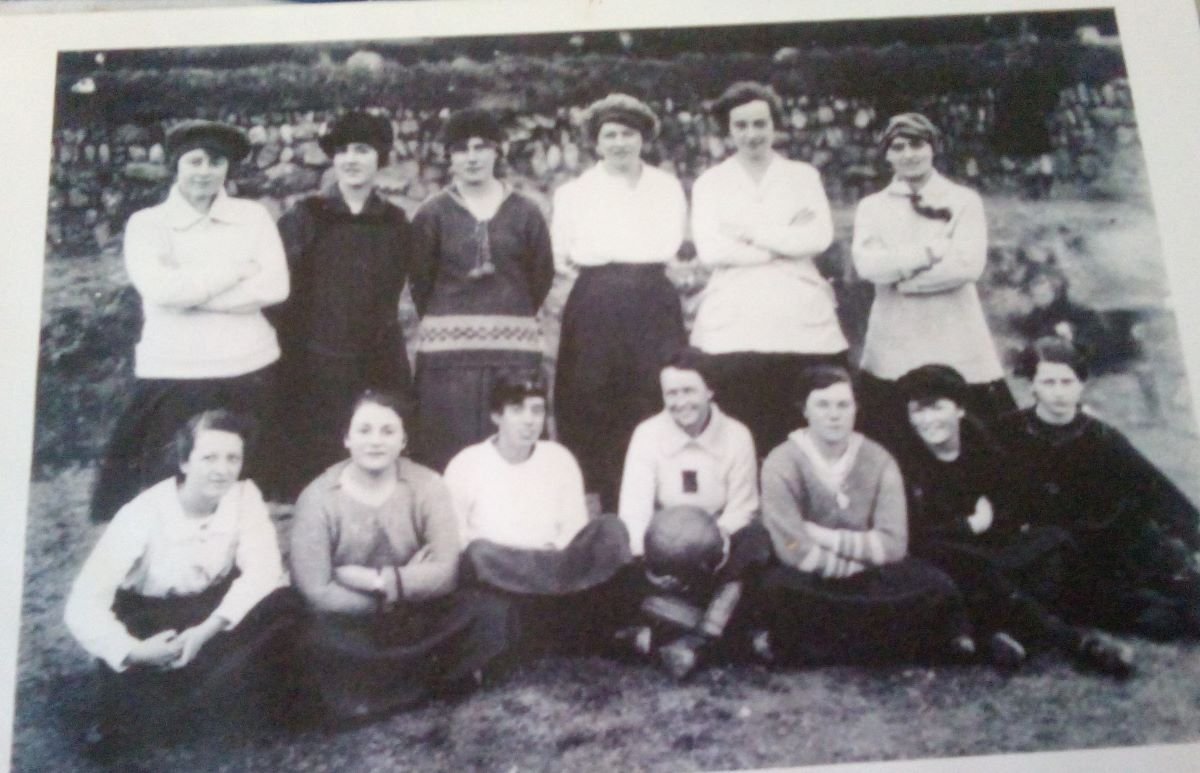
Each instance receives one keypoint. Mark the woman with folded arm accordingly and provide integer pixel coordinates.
(205, 265)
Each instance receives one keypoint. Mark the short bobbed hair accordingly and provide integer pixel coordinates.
(514, 387)
(743, 93)
(1054, 349)
(820, 377)
(930, 383)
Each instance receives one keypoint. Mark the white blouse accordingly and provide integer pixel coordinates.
(600, 218)
(153, 548)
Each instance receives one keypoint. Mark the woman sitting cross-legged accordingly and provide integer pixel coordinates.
(1134, 534)
(375, 553)
(960, 521)
(183, 599)
(523, 516)
(833, 502)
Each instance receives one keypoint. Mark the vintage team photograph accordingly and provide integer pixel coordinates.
(654, 398)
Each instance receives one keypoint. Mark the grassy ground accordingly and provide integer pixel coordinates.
(591, 714)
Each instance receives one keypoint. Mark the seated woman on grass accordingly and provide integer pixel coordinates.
(956, 478)
(183, 599)
(1134, 534)
(375, 553)
(523, 517)
(846, 589)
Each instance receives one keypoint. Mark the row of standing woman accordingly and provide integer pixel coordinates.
(213, 274)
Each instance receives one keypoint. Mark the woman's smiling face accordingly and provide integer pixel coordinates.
(375, 437)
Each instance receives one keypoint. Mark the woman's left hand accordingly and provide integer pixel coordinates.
(194, 638)
(356, 577)
(981, 520)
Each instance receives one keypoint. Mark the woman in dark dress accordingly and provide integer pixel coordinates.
(482, 266)
(955, 475)
(375, 552)
(348, 253)
(1133, 533)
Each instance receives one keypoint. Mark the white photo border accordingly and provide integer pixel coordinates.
(1161, 49)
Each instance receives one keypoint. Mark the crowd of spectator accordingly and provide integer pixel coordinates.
(103, 173)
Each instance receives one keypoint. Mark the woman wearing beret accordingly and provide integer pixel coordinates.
(375, 552)
(348, 254)
(767, 313)
(1134, 534)
(482, 265)
(205, 265)
(922, 241)
(615, 226)
(183, 593)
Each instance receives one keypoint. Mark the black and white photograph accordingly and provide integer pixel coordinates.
(517, 386)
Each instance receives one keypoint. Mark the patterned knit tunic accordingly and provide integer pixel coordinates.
(477, 286)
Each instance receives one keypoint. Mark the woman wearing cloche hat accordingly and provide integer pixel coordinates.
(615, 226)
(205, 265)
(348, 253)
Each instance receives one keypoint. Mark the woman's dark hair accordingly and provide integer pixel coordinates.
(1052, 349)
(515, 387)
(383, 399)
(743, 93)
(821, 377)
(690, 358)
(216, 419)
(930, 383)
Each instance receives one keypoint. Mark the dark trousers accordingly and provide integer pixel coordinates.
(140, 452)
(760, 390)
(883, 411)
(619, 325)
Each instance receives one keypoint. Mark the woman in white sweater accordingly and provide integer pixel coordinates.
(922, 241)
(205, 265)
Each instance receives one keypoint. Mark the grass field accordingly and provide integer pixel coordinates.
(597, 715)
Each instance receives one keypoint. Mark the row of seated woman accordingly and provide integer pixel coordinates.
(405, 584)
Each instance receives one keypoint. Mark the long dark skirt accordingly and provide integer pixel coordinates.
(317, 392)
(619, 325)
(901, 612)
(140, 451)
(883, 412)
(453, 395)
(569, 600)
(368, 665)
(1003, 583)
(760, 390)
(249, 664)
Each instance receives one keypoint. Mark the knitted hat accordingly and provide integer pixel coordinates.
(473, 122)
(933, 382)
(220, 139)
(683, 542)
(911, 125)
(622, 109)
(357, 126)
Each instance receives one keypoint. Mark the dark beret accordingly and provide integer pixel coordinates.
(357, 126)
(220, 138)
(933, 382)
(472, 122)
